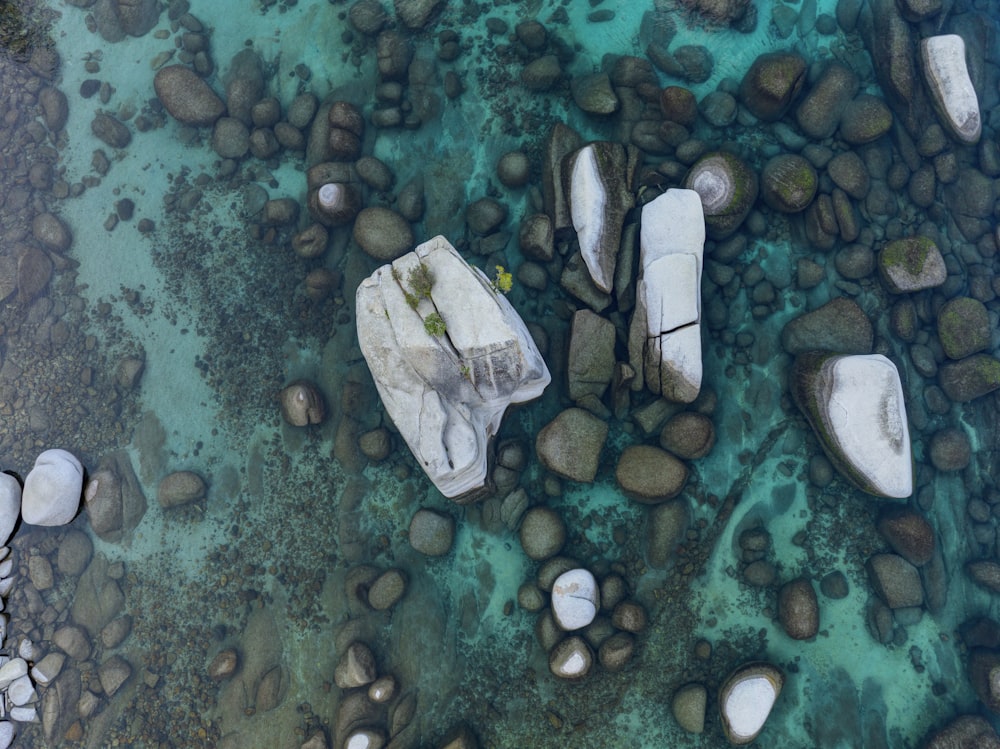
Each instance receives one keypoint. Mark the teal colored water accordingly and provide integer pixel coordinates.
(156, 335)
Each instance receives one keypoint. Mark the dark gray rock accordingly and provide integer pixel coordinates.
(839, 325)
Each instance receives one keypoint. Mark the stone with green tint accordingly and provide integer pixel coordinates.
(772, 83)
(788, 183)
(911, 264)
(970, 378)
(963, 327)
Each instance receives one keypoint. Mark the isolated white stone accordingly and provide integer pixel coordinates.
(10, 505)
(575, 599)
(746, 699)
(951, 87)
(52, 489)
(446, 394)
(667, 323)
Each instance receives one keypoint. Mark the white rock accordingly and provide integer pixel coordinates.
(666, 327)
(598, 202)
(10, 505)
(21, 691)
(746, 699)
(6, 567)
(48, 668)
(364, 739)
(6, 584)
(855, 405)
(575, 599)
(24, 714)
(12, 670)
(26, 649)
(951, 87)
(7, 733)
(446, 394)
(52, 489)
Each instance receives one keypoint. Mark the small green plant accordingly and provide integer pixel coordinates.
(420, 280)
(434, 324)
(503, 281)
(466, 372)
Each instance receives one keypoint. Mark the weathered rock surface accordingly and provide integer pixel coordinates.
(186, 97)
(570, 445)
(591, 361)
(599, 197)
(665, 333)
(798, 609)
(650, 475)
(746, 699)
(963, 326)
(772, 83)
(855, 406)
(52, 489)
(688, 706)
(970, 378)
(10, 505)
(911, 264)
(180, 488)
(965, 732)
(951, 88)
(575, 599)
(895, 581)
(728, 189)
(542, 533)
(840, 325)
(431, 533)
(448, 366)
(571, 658)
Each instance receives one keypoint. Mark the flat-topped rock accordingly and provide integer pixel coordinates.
(570, 445)
(665, 334)
(840, 325)
(746, 699)
(951, 88)
(911, 264)
(599, 198)
(855, 406)
(448, 355)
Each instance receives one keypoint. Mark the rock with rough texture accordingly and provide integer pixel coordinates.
(688, 706)
(591, 360)
(746, 698)
(963, 327)
(186, 97)
(951, 88)
(840, 325)
(665, 333)
(820, 111)
(448, 354)
(650, 475)
(302, 404)
(570, 445)
(52, 489)
(383, 234)
(965, 732)
(113, 673)
(865, 118)
(728, 189)
(772, 83)
(594, 94)
(180, 488)
(431, 533)
(970, 378)
(571, 658)
(416, 13)
(599, 198)
(356, 667)
(666, 526)
(542, 533)
(895, 581)
(575, 599)
(911, 264)
(10, 505)
(788, 183)
(798, 609)
(908, 533)
(855, 406)
(688, 435)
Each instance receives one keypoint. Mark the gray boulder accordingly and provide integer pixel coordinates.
(772, 83)
(186, 97)
(839, 325)
(963, 327)
(728, 189)
(448, 355)
(951, 89)
(591, 361)
(895, 581)
(911, 264)
(570, 445)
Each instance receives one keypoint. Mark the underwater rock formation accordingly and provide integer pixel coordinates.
(855, 406)
(666, 327)
(951, 89)
(448, 354)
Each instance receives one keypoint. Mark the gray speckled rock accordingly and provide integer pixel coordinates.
(431, 533)
(839, 325)
(728, 189)
(895, 580)
(186, 97)
(382, 233)
(570, 445)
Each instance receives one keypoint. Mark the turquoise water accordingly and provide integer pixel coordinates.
(296, 520)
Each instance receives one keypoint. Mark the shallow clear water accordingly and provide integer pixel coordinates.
(170, 265)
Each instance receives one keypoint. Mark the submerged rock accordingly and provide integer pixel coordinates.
(571, 658)
(951, 89)
(570, 445)
(855, 406)
(840, 325)
(448, 354)
(746, 699)
(186, 97)
(772, 83)
(666, 326)
(688, 706)
(728, 189)
(911, 264)
(599, 198)
(965, 731)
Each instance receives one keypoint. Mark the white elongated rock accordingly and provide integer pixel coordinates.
(855, 405)
(746, 699)
(12, 670)
(447, 360)
(10, 505)
(599, 198)
(951, 88)
(52, 489)
(575, 599)
(7, 733)
(666, 327)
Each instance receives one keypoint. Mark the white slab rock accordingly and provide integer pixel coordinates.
(599, 198)
(746, 699)
(575, 599)
(52, 489)
(665, 334)
(446, 394)
(855, 405)
(10, 505)
(12, 670)
(951, 88)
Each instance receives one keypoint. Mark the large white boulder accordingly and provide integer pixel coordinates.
(746, 699)
(10, 505)
(951, 88)
(52, 489)
(855, 405)
(665, 334)
(599, 198)
(448, 354)
(575, 599)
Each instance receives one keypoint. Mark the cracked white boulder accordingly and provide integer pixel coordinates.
(855, 406)
(599, 198)
(665, 334)
(575, 599)
(951, 88)
(448, 355)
